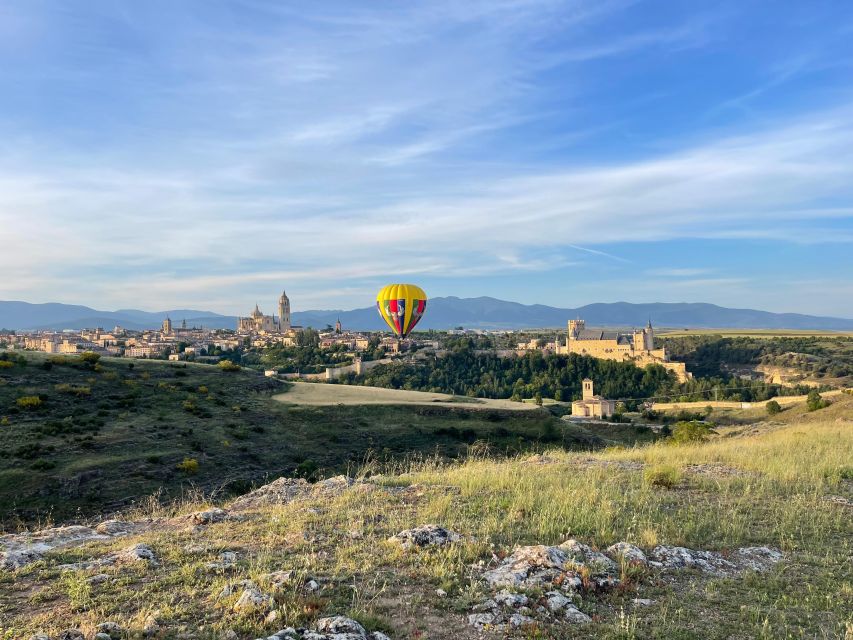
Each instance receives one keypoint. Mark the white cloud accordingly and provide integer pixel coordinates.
(334, 147)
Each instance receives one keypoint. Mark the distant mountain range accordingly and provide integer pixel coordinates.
(442, 313)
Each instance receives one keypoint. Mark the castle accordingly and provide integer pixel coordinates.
(260, 323)
(637, 346)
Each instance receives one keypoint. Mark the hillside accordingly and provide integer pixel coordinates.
(746, 537)
(105, 436)
(443, 313)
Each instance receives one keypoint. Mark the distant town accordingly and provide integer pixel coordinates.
(350, 351)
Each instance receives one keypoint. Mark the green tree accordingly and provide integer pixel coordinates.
(773, 408)
(814, 401)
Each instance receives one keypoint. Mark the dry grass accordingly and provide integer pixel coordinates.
(730, 492)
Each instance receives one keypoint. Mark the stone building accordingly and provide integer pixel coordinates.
(591, 405)
(257, 322)
(637, 346)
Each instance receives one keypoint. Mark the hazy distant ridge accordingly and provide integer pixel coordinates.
(442, 313)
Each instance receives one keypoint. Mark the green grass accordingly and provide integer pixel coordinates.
(775, 498)
(106, 436)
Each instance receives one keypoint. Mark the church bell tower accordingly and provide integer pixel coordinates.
(284, 312)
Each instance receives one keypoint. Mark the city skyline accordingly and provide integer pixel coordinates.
(539, 151)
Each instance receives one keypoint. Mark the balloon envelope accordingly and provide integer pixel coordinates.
(401, 306)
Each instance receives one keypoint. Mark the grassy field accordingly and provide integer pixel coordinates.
(312, 394)
(766, 488)
(99, 438)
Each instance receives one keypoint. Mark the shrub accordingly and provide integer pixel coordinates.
(189, 466)
(29, 402)
(227, 365)
(692, 431)
(5, 364)
(90, 358)
(815, 402)
(307, 469)
(773, 408)
(662, 476)
(80, 390)
(43, 465)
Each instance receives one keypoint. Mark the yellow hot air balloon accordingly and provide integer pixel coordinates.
(401, 306)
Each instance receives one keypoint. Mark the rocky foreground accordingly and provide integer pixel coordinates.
(532, 586)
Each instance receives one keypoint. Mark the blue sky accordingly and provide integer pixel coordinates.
(209, 153)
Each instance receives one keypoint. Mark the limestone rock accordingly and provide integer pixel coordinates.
(574, 615)
(340, 624)
(253, 598)
(580, 553)
(40, 636)
(627, 552)
(115, 527)
(758, 559)
(102, 636)
(529, 567)
(12, 560)
(428, 535)
(331, 628)
(71, 634)
(208, 516)
(280, 491)
(745, 559)
(139, 553)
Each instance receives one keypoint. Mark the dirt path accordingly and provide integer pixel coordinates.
(319, 394)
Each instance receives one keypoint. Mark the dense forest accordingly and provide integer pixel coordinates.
(469, 370)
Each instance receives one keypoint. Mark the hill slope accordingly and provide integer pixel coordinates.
(762, 525)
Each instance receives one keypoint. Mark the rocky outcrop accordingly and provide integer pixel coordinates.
(18, 550)
(758, 559)
(428, 535)
(566, 571)
(285, 490)
(332, 628)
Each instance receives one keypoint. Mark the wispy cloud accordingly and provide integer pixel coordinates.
(269, 145)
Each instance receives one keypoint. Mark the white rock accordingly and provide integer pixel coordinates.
(642, 602)
(574, 615)
(340, 624)
(556, 601)
(139, 553)
(510, 600)
(517, 620)
(428, 535)
(252, 598)
(627, 552)
(481, 620)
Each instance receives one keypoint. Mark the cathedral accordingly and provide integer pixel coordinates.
(260, 323)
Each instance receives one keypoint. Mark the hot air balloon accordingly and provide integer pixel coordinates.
(401, 306)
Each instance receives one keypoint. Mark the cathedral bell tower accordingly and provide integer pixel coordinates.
(284, 312)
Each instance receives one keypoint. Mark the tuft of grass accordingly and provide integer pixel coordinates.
(665, 476)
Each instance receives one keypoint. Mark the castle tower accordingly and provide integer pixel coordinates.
(639, 341)
(587, 389)
(167, 325)
(284, 313)
(650, 336)
(575, 327)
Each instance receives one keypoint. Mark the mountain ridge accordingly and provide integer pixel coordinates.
(446, 312)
